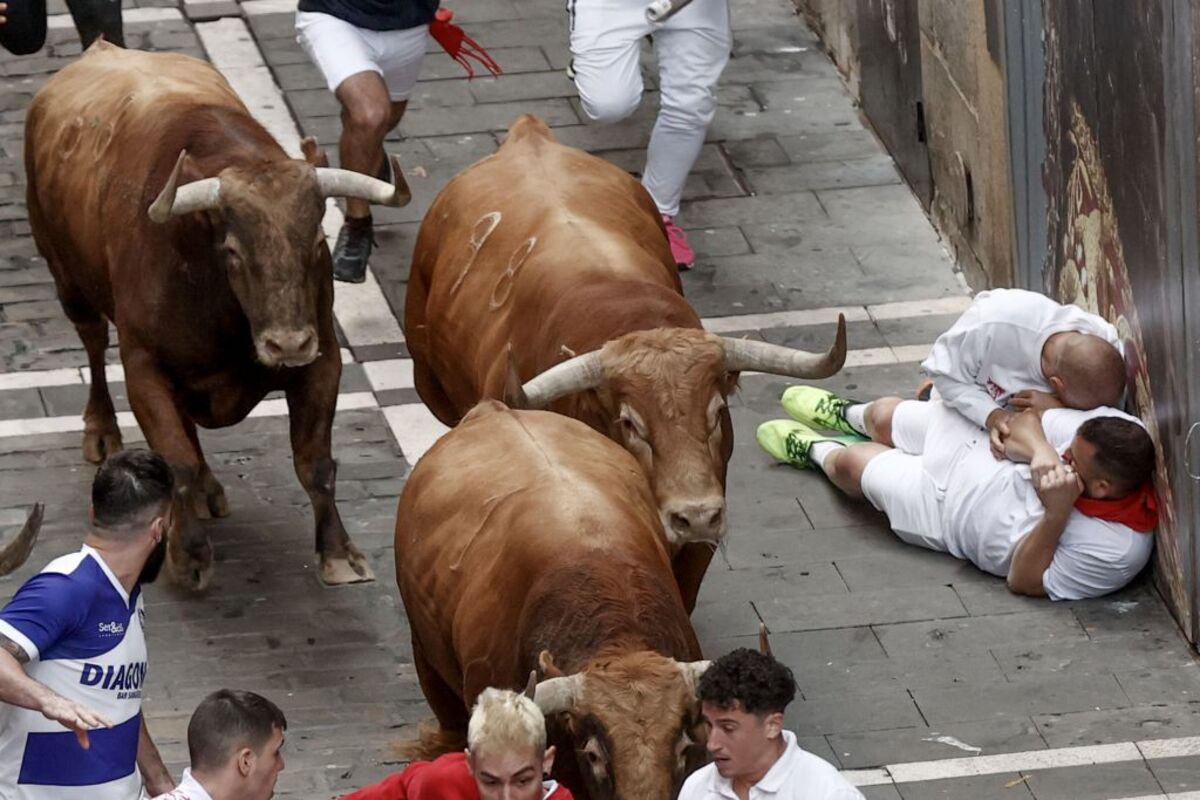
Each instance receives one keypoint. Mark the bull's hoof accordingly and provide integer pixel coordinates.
(341, 571)
(99, 444)
(190, 571)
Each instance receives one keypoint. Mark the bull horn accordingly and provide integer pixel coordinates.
(744, 354)
(174, 200)
(556, 695)
(764, 640)
(531, 686)
(691, 671)
(347, 183)
(573, 375)
(17, 551)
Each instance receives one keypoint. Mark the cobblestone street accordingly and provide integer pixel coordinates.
(919, 675)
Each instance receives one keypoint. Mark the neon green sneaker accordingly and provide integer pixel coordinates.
(819, 408)
(790, 441)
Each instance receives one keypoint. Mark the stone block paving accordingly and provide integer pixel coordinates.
(901, 655)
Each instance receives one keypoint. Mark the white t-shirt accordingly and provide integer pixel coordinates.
(188, 789)
(797, 775)
(990, 505)
(995, 349)
(84, 638)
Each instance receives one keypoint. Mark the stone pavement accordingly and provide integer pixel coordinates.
(918, 675)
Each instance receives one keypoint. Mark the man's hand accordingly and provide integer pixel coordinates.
(1032, 398)
(1058, 489)
(3, 9)
(997, 426)
(78, 718)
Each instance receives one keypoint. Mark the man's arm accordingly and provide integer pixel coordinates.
(1058, 490)
(18, 689)
(953, 365)
(1026, 443)
(154, 772)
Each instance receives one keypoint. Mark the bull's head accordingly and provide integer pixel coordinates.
(665, 392)
(267, 219)
(633, 721)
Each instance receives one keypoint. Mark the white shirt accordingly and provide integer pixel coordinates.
(995, 349)
(83, 635)
(797, 775)
(188, 789)
(990, 505)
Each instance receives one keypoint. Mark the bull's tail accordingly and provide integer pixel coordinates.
(526, 127)
(432, 740)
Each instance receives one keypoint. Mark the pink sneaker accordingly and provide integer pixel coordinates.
(681, 251)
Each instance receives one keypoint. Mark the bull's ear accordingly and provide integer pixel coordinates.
(313, 153)
(547, 666)
(514, 390)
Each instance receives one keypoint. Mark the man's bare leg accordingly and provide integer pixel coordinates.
(368, 115)
(844, 466)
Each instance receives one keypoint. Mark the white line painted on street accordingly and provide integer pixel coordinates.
(415, 428)
(275, 407)
(1030, 760)
(824, 316)
(361, 309)
(1175, 796)
(35, 379)
(391, 373)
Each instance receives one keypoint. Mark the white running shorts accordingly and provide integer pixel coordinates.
(897, 483)
(340, 50)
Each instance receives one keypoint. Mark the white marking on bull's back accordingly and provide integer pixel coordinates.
(505, 283)
(479, 234)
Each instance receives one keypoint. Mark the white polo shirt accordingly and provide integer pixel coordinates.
(995, 349)
(188, 789)
(83, 635)
(797, 775)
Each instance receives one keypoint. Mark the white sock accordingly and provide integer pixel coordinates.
(820, 451)
(856, 417)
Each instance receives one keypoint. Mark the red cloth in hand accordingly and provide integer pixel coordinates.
(460, 46)
(1138, 510)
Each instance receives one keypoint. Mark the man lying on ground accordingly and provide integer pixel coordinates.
(1013, 349)
(506, 757)
(743, 695)
(1074, 519)
(234, 744)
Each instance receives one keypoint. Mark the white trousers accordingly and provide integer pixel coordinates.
(692, 49)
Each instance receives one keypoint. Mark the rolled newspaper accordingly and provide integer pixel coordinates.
(662, 10)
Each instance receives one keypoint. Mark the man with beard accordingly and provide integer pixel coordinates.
(73, 652)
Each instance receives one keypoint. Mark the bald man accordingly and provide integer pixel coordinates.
(1009, 351)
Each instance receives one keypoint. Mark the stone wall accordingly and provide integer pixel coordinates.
(958, 105)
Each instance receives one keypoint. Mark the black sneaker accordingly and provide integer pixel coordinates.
(353, 249)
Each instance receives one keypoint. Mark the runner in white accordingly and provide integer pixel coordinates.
(73, 653)
(743, 696)
(234, 741)
(1075, 519)
(1012, 349)
(692, 47)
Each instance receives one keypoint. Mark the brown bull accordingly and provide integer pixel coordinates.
(162, 206)
(544, 265)
(525, 540)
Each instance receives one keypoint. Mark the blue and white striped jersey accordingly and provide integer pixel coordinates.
(84, 638)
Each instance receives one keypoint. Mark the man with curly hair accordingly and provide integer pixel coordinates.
(743, 695)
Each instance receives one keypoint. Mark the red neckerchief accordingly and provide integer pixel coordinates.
(1138, 509)
(460, 46)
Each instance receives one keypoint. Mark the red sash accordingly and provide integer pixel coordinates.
(1138, 509)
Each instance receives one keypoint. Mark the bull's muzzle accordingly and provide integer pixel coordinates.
(695, 521)
(279, 347)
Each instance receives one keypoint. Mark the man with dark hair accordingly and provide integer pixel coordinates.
(743, 695)
(234, 742)
(1068, 514)
(73, 651)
